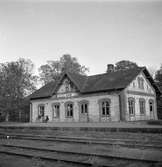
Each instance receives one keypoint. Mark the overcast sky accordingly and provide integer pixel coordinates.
(95, 32)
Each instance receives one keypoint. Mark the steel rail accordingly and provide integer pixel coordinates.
(134, 144)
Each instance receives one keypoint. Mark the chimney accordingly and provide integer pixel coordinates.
(110, 68)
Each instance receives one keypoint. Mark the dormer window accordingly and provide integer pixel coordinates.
(140, 83)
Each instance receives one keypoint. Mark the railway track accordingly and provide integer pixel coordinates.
(113, 142)
(74, 157)
(26, 145)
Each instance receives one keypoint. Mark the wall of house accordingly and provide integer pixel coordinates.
(93, 108)
(135, 92)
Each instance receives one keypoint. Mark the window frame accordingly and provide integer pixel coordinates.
(132, 106)
(140, 83)
(142, 107)
(69, 114)
(101, 101)
(40, 111)
(82, 105)
(57, 110)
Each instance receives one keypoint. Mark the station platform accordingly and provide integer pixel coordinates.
(142, 127)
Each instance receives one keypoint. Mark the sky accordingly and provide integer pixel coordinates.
(96, 32)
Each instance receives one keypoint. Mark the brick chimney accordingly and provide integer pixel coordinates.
(110, 68)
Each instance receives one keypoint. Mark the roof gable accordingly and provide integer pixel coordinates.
(76, 79)
(151, 80)
(66, 85)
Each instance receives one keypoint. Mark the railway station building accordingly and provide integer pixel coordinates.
(122, 95)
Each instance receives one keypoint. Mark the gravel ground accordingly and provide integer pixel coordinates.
(17, 161)
(139, 153)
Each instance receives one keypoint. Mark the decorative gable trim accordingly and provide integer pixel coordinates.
(140, 93)
(61, 81)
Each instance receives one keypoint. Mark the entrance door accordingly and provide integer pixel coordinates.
(84, 117)
(151, 106)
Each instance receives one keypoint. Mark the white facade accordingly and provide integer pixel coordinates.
(146, 93)
(93, 108)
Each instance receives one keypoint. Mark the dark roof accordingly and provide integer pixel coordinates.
(110, 81)
(44, 92)
(117, 80)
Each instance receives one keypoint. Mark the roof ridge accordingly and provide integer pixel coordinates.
(143, 67)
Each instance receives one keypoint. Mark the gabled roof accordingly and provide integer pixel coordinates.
(111, 81)
(44, 92)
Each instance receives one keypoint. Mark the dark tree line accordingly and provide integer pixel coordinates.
(16, 81)
(158, 80)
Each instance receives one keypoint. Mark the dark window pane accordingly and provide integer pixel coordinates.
(69, 110)
(86, 108)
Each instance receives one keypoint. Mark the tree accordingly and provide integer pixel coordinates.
(158, 77)
(71, 64)
(50, 71)
(158, 80)
(17, 81)
(125, 64)
(53, 69)
(152, 71)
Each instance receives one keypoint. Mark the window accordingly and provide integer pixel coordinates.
(131, 106)
(41, 110)
(69, 109)
(105, 107)
(142, 106)
(83, 105)
(151, 105)
(56, 110)
(84, 108)
(140, 83)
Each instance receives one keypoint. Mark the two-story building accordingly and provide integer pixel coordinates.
(123, 95)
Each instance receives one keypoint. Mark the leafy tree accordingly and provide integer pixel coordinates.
(50, 71)
(17, 81)
(125, 64)
(158, 80)
(53, 69)
(71, 64)
(152, 71)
